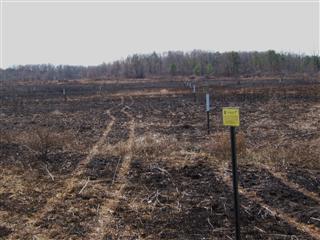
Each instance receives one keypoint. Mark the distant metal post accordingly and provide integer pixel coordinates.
(194, 92)
(208, 111)
(64, 94)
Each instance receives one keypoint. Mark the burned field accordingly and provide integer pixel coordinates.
(133, 160)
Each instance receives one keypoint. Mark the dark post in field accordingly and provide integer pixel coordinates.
(231, 117)
(208, 122)
(235, 180)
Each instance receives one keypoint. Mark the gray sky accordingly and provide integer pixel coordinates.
(92, 33)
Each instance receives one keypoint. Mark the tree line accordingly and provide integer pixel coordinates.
(197, 62)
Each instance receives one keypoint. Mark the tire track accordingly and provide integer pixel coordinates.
(105, 217)
(310, 230)
(252, 195)
(281, 177)
(68, 184)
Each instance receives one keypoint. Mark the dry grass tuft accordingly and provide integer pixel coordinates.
(154, 145)
(119, 149)
(301, 155)
(42, 141)
(220, 146)
(6, 137)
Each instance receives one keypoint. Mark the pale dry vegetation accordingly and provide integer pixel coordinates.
(301, 155)
(42, 141)
(154, 145)
(219, 146)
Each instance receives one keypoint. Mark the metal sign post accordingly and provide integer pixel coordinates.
(231, 117)
(194, 92)
(235, 181)
(208, 111)
(64, 94)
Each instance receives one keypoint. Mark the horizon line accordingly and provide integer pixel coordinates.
(162, 54)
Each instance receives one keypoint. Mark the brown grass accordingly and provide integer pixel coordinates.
(301, 155)
(42, 141)
(220, 146)
(154, 145)
(119, 149)
(6, 137)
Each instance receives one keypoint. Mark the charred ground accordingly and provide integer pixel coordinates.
(132, 160)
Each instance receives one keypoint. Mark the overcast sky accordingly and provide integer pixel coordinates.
(92, 33)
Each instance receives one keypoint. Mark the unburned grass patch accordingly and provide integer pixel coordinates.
(154, 145)
(300, 155)
(219, 146)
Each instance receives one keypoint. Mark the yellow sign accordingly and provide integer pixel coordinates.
(231, 116)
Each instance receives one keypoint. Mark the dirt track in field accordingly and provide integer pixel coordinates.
(69, 184)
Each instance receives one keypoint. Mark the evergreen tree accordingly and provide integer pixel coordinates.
(197, 69)
(209, 69)
(173, 69)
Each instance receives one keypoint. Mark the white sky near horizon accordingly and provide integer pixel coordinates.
(91, 33)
